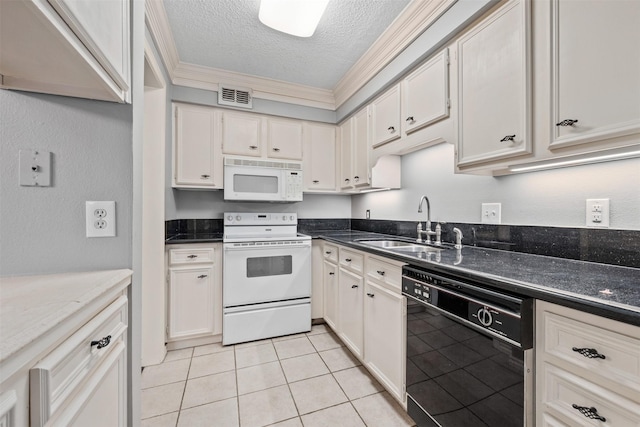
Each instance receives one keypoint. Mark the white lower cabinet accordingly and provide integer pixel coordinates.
(330, 283)
(194, 288)
(84, 380)
(384, 337)
(587, 369)
(350, 306)
(364, 306)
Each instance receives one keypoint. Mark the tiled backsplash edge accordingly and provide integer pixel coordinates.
(616, 247)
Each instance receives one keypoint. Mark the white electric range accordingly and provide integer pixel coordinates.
(266, 277)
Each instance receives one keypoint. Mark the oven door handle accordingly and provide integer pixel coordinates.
(230, 248)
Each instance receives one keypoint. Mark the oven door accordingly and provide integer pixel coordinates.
(459, 377)
(258, 273)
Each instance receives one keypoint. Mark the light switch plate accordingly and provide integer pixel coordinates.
(491, 213)
(100, 219)
(35, 168)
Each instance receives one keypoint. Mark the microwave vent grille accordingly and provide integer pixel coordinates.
(235, 96)
(262, 163)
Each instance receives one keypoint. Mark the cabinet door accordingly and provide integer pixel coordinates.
(285, 139)
(346, 154)
(385, 117)
(197, 158)
(330, 284)
(361, 175)
(350, 293)
(493, 93)
(191, 302)
(242, 134)
(595, 70)
(106, 402)
(319, 157)
(384, 337)
(425, 94)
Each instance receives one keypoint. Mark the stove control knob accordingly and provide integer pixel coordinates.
(238, 217)
(230, 217)
(484, 316)
(291, 218)
(284, 217)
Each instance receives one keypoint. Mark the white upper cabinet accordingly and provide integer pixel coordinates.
(197, 156)
(75, 48)
(425, 94)
(595, 71)
(255, 135)
(319, 157)
(385, 117)
(493, 87)
(360, 149)
(242, 134)
(284, 139)
(346, 141)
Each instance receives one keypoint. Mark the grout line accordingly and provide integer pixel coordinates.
(184, 391)
(235, 364)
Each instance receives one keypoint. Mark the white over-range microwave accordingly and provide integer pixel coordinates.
(262, 180)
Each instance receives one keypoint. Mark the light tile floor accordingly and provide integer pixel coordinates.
(308, 380)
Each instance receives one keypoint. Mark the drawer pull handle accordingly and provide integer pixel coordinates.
(591, 413)
(315, 181)
(370, 295)
(590, 353)
(328, 252)
(253, 147)
(192, 256)
(567, 122)
(331, 273)
(380, 272)
(347, 180)
(347, 259)
(354, 286)
(102, 343)
(410, 120)
(276, 149)
(204, 176)
(508, 138)
(391, 129)
(202, 276)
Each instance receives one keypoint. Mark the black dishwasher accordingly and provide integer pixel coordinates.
(469, 353)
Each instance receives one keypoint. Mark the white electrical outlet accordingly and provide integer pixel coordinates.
(491, 213)
(597, 213)
(100, 219)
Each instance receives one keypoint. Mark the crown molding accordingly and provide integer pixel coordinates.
(207, 78)
(158, 24)
(412, 22)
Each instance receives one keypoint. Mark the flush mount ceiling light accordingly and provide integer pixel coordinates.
(296, 17)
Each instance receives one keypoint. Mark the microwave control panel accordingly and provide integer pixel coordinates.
(293, 185)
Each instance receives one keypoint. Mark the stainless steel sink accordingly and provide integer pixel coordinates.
(400, 246)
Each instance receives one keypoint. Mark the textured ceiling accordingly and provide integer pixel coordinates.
(227, 34)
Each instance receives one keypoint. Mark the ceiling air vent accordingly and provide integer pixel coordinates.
(235, 96)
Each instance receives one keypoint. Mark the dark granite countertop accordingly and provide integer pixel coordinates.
(572, 283)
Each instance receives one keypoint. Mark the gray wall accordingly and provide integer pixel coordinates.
(545, 198)
(42, 230)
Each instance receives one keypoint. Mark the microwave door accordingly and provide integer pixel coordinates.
(257, 184)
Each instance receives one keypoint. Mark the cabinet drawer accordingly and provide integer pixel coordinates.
(566, 395)
(330, 252)
(352, 260)
(581, 343)
(191, 256)
(56, 378)
(384, 272)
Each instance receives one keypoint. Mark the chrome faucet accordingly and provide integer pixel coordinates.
(427, 230)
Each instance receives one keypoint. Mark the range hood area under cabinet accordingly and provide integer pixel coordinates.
(204, 136)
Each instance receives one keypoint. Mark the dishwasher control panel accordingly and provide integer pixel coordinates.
(488, 310)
